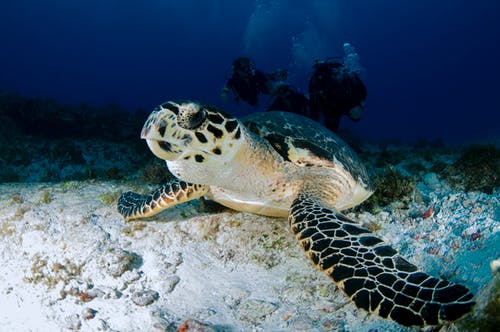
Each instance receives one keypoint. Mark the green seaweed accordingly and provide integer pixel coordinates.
(386, 158)
(46, 197)
(9, 176)
(477, 169)
(415, 168)
(438, 167)
(17, 198)
(109, 198)
(391, 185)
(71, 185)
(156, 172)
(131, 229)
(113, 173)
(6, 229)
(66, 152)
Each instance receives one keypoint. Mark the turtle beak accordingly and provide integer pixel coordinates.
(154, 128)
(145, 131)
(153, 132)
(162, 149)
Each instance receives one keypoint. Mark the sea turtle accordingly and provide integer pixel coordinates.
(285, 165)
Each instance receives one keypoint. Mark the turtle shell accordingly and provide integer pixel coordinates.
(306, 143)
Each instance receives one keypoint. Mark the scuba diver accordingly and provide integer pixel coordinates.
(335, 90)
(287, 98)
(247, 82)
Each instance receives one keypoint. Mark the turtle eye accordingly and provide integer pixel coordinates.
(192, 117)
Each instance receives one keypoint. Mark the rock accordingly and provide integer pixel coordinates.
(73, 322)
(170, 283)
(95, 292)
(431, 180)
(177, 259)
(89, 313)
(300, 323)
(192, 325)
(130, 277)
(145, 297)
(255, 311)
(235, 296)
(106, 293)
(116, 261)
(162, 321)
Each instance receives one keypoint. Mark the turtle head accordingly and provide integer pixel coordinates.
(191, 132)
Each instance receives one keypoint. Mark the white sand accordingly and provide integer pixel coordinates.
(70, 262)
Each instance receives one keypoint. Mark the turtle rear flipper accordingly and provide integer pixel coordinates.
(370, 272)
(132, 205)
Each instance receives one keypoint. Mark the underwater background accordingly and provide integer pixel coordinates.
(77, 81)
(431, 67)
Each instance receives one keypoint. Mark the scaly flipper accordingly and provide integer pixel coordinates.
(370, 272)
(134, 206)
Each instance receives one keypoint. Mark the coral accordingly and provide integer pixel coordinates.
(8, 128)
(156, 172)
(390, 186)
(50, 119)
(116, 261)
(477, 169)
(438, 167)
(113, 173)
(9, 176)
(415, 168)
(145, 297)
(386, 158)
(67, 152)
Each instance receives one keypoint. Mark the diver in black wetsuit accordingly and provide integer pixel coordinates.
(247, 82)
(287, 98)
(334, 91)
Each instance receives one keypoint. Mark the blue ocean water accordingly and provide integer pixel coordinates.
(431, 67)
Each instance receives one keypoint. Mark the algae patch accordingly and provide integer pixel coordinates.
(477, 169)
(51, 274)
(109, 198)
(46, 197)
(391, 185)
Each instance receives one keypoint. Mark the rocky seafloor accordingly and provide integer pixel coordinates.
(70, 262)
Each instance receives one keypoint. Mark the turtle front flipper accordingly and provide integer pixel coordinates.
(132, 205)
(370, 272)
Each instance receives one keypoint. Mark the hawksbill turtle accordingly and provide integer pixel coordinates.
(285, 165)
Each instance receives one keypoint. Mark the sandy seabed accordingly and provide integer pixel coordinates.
(70, 262)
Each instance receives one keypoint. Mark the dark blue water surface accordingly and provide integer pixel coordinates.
(431, 67)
